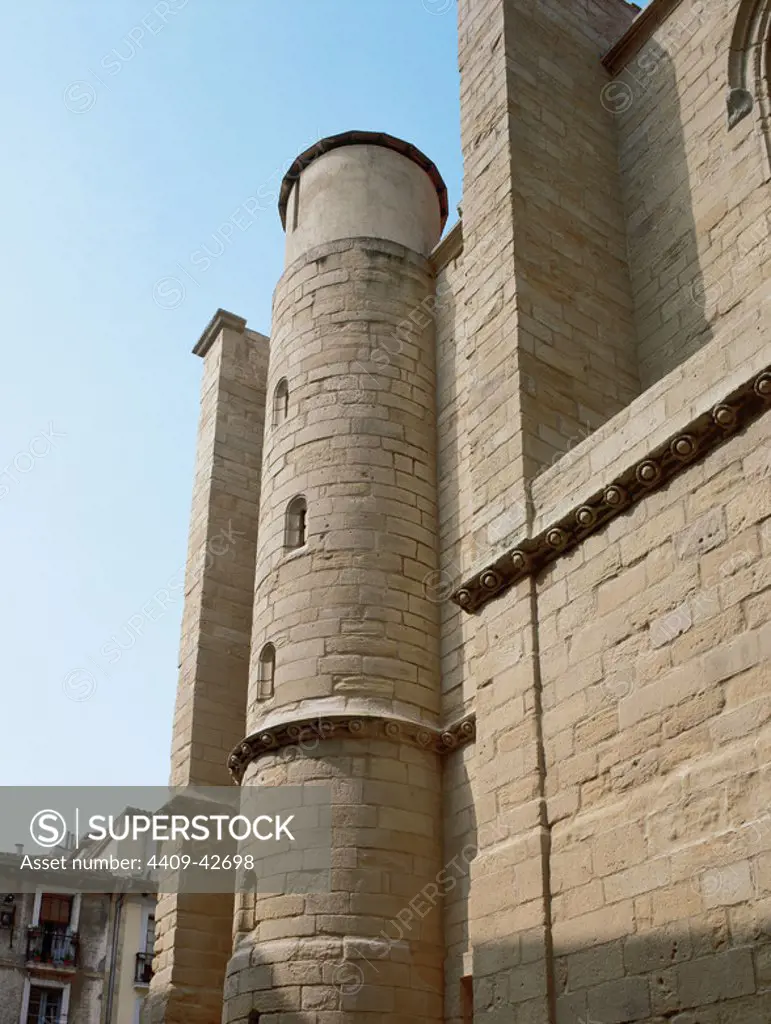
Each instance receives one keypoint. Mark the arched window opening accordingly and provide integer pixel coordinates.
(749, 67)
(295, 527)
(280, 402)
(266, 672)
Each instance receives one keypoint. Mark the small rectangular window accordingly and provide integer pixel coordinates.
(55, 908)
(45, 1005)
(150, 935)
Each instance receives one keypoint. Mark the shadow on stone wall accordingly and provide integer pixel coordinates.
(614, 964)
(685, 974)
(688, 975)
(673, 306)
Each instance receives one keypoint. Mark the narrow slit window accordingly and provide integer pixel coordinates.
(280, 402)
(266, 672)
(467, 1000)
(296, 204)
(295, 528)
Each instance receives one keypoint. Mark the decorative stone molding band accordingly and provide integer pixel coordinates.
(304, 735)
(699, 438)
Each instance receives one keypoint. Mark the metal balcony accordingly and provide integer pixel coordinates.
(143, 971)
(52, 945)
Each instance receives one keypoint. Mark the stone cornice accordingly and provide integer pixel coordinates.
(701, 436)
(222, 318)
(304, 734)
(448, 249)
(638, 34)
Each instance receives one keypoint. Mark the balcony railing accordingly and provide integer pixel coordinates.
(52, 944)
(143, 971)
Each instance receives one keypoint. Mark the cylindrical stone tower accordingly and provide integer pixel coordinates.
(345, 641)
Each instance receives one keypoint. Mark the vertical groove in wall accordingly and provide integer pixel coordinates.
(545, 826)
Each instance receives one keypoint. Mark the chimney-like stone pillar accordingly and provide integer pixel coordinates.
(194, 931)
(347, 535)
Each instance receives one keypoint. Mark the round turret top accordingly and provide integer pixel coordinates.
(362, 184)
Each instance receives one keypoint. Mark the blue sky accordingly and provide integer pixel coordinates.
(128, 141)
(125, 149)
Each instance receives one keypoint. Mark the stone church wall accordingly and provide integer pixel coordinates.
(655, 656)
(696, 209)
